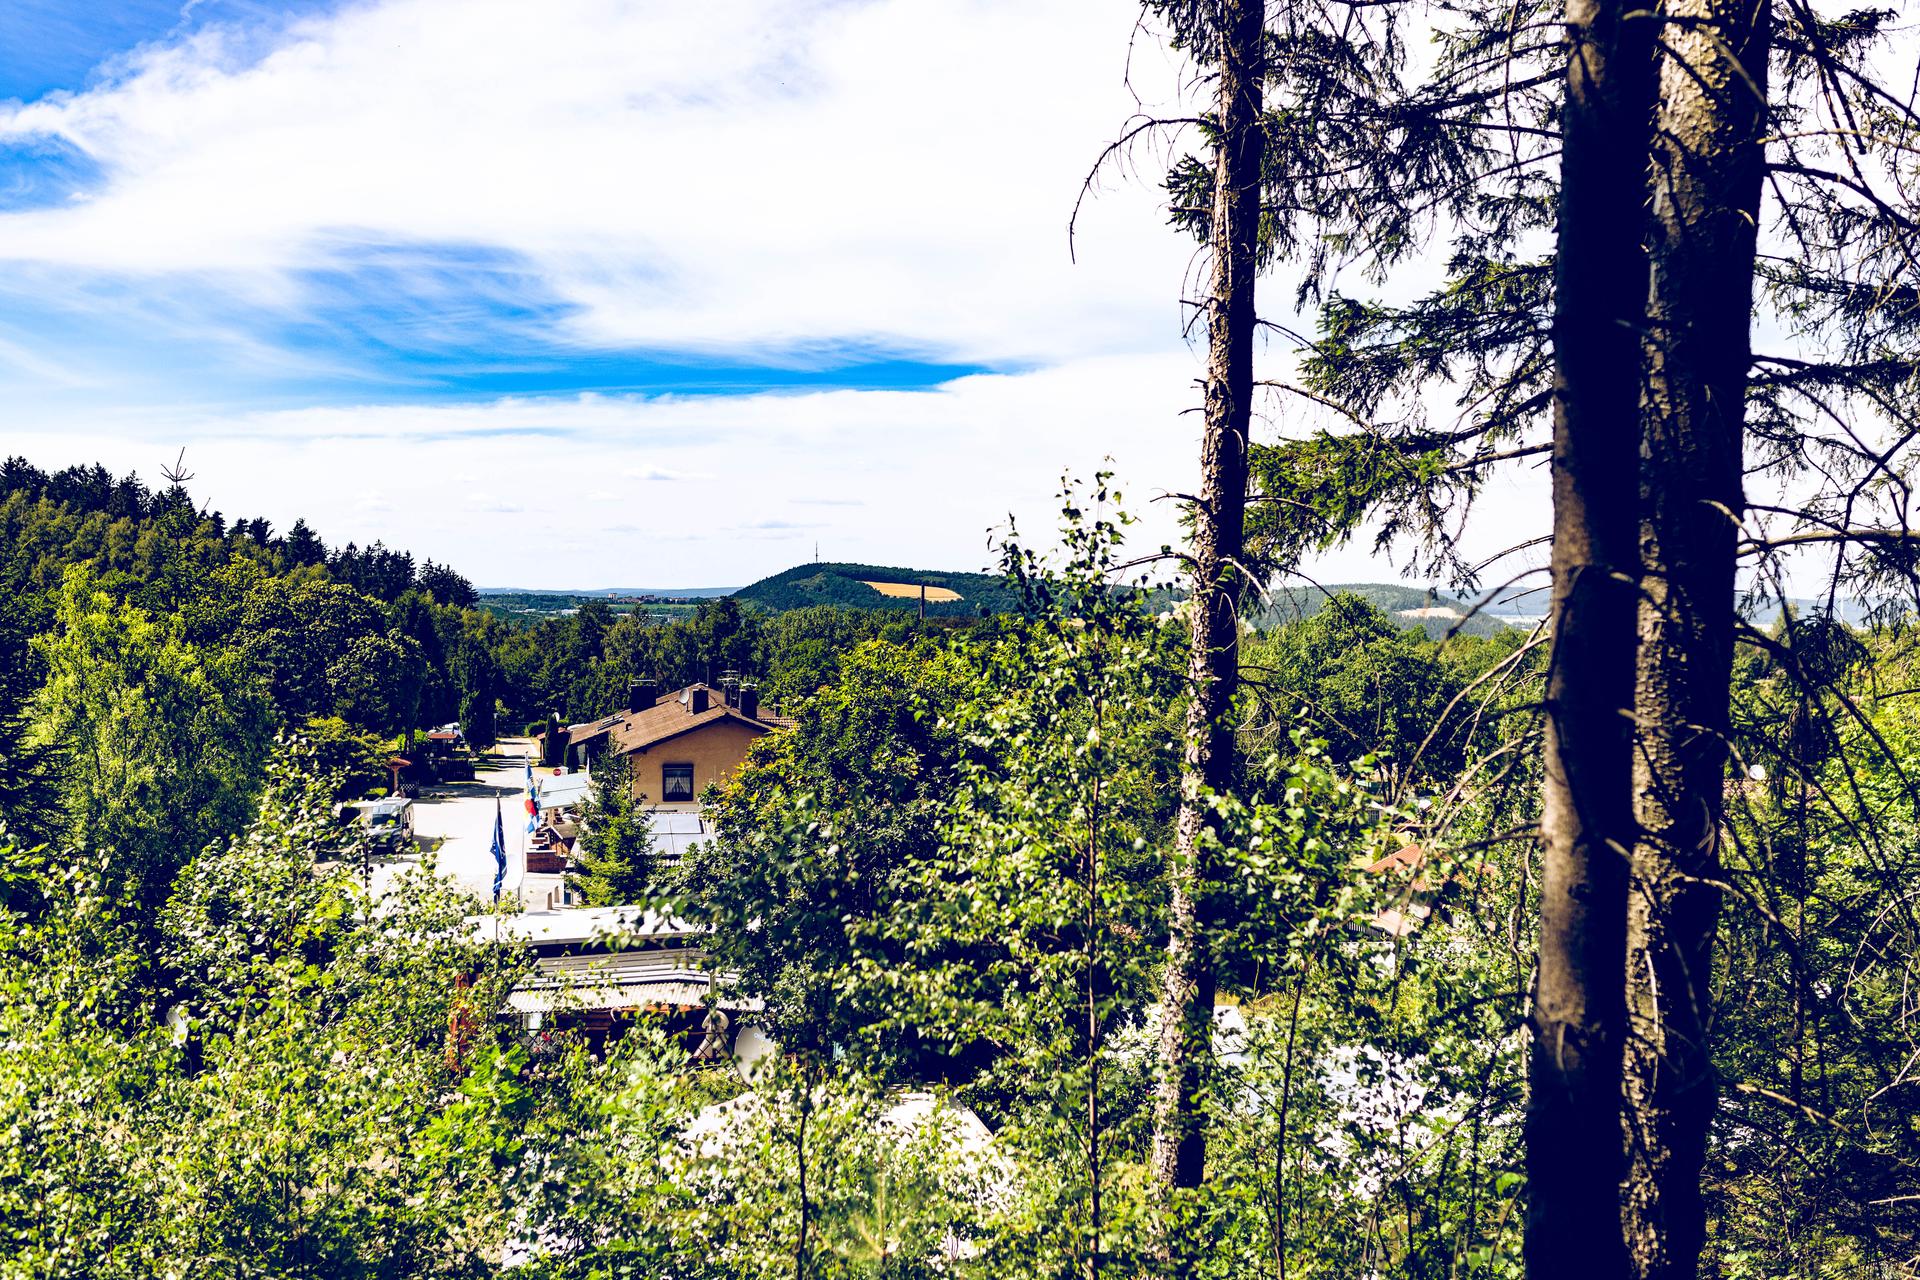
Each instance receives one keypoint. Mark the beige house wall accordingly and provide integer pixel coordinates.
(715, 750)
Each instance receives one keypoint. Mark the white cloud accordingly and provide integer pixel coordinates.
(734, 172)
(924, 475)
(757, 175)
(516, 491)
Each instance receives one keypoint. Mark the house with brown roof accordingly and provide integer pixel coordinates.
(1412, 869)
(676, 743)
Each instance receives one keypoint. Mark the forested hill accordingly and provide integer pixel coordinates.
(119, 525)
(148, 640)
(201, 636)
(869, 586)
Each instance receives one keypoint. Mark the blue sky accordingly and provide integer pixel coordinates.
(596, 291)
(369, 312)
(48, 46)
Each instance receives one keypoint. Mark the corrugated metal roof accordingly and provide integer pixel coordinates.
(622, 980)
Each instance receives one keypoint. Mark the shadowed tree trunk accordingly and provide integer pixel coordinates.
(1708, 163)
(1574, 1159)
(1186, 1008)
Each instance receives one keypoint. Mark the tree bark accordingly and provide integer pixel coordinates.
(1574, 1160)
(1708, 163)
(1186, 1007)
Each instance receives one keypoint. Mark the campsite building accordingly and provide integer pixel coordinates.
(677, 743)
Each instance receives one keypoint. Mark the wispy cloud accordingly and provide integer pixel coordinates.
(932, 471)
(493, 505)
(766, 258)
(659, 474)
(415, 168)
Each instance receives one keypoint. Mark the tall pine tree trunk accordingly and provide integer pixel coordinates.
(1586, 826)
(1574, 1160)
(1708, 163)
(1186, 1009)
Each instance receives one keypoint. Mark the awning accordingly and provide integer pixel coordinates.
(563, 791)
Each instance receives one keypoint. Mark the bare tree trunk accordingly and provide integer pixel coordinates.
(800, 1157)
(1706, 192)
(1186, 1008)
(1093, 1013)
(1574, 1161)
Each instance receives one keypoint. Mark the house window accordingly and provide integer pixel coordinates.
(676, 782)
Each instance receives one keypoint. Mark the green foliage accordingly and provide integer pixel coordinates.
(1816, 1135)
(296, 632)
(71, 1200)
(359, 634)
(28, 799)
(1364, 684)
(300, 1115)
(1281, 605)
(359, 760)
(477, 674)
(614, 853)
(1037, 927)
(800, 650)
(376, 682)
(653, 1170)
(161, 740)
(870, 753)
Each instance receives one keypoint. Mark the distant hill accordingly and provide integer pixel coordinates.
(872, 586)
(1436, 613)
(966, 595)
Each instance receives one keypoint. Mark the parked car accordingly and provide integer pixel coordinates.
(389, 824)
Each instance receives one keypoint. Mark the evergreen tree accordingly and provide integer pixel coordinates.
(303, 546)
(614, 853)
(1232, 42)
(446, 587)
(28, 805)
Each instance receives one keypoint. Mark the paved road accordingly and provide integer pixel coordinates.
(455, 822)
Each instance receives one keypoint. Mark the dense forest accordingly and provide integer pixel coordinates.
(1318, 947)
(344, 639)
(161, 653)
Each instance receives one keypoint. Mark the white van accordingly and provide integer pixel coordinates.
(389, 822)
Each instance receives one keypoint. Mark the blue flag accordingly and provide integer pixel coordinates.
(499, 849)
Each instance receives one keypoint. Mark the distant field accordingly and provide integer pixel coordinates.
(873, 586)
(911, 591)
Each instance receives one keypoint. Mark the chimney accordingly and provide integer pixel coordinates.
(749, 703)
(697, 699)
(642, 694)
